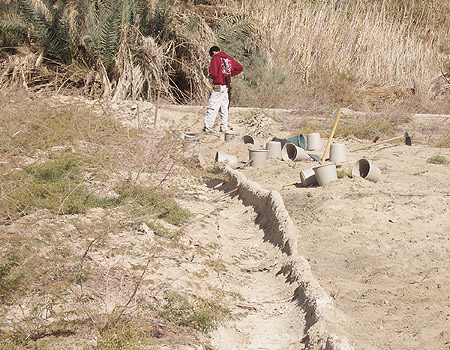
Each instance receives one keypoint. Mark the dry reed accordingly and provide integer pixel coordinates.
(315, 40)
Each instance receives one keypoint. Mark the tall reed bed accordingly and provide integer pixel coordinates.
(358, 43)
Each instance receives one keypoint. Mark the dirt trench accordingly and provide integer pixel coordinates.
(274, 300)
(266, 315)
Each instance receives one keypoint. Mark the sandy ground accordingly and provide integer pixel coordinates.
(381, 250)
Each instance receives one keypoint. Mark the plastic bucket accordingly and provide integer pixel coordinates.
(292, 152)
(259, 156)
(338, 153)
(274, 148)
(366, 170)
(325, 173)
(308, 176)
(227, 158)
(313, 141)
(250, 139)
(230, 135)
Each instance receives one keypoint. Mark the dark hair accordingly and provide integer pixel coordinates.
(213, 49)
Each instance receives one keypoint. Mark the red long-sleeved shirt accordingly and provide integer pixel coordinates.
(221, 65)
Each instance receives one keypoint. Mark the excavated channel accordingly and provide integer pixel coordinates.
(288, 309)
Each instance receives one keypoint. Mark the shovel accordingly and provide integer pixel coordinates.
(330, 138)
(406, 136)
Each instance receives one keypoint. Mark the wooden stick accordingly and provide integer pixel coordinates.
(248, 162)
(138, 114)
(378, 143)
(226, 194)
(156, 108)
(289, 184)
(330, 138)
(427, 273)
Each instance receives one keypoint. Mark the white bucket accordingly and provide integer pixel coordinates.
(230, 135)
(250, 139)
(325, 173)
(366, 170)
(259, 156)
(313, 141)
(292, 152)
(274, 148)
(338, 153)
(227, 158)
(308, 176)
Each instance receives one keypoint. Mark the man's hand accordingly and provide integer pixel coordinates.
(228, 82)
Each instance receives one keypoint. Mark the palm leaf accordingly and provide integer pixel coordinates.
(110, 32)
(48, 27)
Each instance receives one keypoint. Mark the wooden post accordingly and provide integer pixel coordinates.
(333, 130)
(138, 115)
(156, 108)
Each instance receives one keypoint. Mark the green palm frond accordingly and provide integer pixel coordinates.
(48, 27)
(13, 23)
(233, 28)
(110, 32)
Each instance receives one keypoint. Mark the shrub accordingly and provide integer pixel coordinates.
(437, 159)
(444, 142)
(193, 312)
(125, 335)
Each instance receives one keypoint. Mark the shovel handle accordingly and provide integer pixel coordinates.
(156, 108)
(378, 143)
(330, 138)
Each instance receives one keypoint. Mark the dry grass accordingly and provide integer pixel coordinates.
(343, 54)
(77, 267)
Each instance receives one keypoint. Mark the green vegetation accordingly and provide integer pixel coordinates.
(366, 129)
(71, 199)
(193, 312)
(126, 335)
(437, 159)
(444, 142)
(359, 53)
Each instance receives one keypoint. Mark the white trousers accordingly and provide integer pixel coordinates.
(218, 103)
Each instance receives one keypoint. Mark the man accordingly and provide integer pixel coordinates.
(221, 68)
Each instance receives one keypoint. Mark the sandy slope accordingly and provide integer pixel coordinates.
(380, 249)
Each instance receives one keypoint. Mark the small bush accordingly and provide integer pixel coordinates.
(193, 312)
(444, 142)
(437, 159)
(126, 335)
(146, 200)
(341, 173)
(17, 270)
(366, 129)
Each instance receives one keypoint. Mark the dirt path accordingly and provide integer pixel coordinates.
(267, 315)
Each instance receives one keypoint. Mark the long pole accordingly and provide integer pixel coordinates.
(333, 130)
(156, 108)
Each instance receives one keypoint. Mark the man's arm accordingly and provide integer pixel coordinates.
(236, 68)
(215, 68)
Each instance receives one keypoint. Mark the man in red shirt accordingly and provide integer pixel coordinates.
(221, 68)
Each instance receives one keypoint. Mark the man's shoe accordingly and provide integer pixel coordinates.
(227, 129)
(207, 131)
